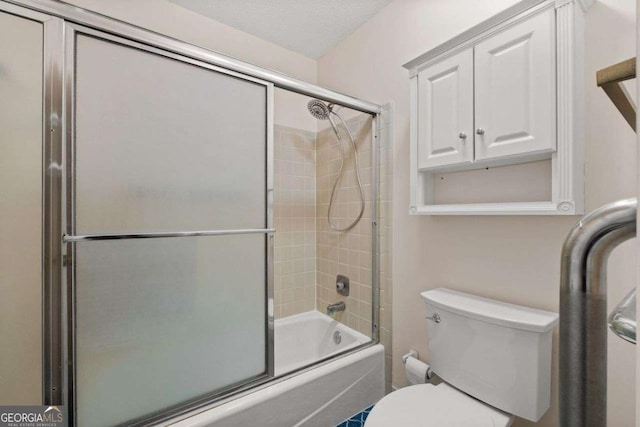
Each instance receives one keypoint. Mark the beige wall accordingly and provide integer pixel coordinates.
(174, 21)
(515, 259)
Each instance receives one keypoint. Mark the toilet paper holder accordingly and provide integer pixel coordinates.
(412, 353)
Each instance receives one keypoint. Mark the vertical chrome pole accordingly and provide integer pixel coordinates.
(375, 228)
(583, 312)
(53, 340)
(270, 237)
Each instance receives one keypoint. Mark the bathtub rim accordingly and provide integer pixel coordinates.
(360, 338)
(263, 384)
(317, 314)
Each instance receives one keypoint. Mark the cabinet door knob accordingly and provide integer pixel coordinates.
(462, 135)
(480, 131)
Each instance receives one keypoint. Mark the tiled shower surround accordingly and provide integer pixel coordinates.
(308, 254)
(295, 221)
(347, 253)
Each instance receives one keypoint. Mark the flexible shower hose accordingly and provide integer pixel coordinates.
(340, 172)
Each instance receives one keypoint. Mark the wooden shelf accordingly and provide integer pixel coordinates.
(610, 80)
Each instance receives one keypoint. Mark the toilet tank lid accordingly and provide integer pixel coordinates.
(491, 311)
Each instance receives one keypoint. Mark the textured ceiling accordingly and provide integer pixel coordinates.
(309, 27)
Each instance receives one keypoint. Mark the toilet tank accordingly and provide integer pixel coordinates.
(498, 353)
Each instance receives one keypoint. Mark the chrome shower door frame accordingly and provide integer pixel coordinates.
(74, 14)
(53, 364)
(61, 20)
(69, 238)
(375, 227)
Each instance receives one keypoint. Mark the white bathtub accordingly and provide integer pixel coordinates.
(322, 396)
(305, 338)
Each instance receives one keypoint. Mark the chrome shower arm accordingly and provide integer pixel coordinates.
(583, 312)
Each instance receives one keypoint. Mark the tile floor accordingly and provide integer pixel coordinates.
(357, 420)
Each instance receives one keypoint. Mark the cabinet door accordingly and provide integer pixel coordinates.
(515, 90)
(445, 112)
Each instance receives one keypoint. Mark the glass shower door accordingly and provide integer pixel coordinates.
(168, 228)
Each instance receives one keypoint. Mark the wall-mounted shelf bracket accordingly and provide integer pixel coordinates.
(610, 80)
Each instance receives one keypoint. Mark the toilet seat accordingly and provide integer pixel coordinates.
(426, 405)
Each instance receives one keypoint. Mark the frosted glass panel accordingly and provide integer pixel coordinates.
(20, 210)
(163, 145)
(162, 321)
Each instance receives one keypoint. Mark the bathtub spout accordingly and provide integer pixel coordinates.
(333, 308)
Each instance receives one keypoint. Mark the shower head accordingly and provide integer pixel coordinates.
(319, 109)
(322, 111)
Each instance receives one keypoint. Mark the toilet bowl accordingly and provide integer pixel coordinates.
(426, 405)
(494, 359)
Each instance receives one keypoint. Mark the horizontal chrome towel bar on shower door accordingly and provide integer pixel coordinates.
(163, 234)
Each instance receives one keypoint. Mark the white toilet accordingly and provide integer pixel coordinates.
(494, 358)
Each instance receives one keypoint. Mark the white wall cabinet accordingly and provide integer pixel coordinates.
(494, 101)
(505, 92)
(515, 103)
(446, 112)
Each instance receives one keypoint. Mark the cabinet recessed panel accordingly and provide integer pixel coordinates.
(445, 106)
(515, 90)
